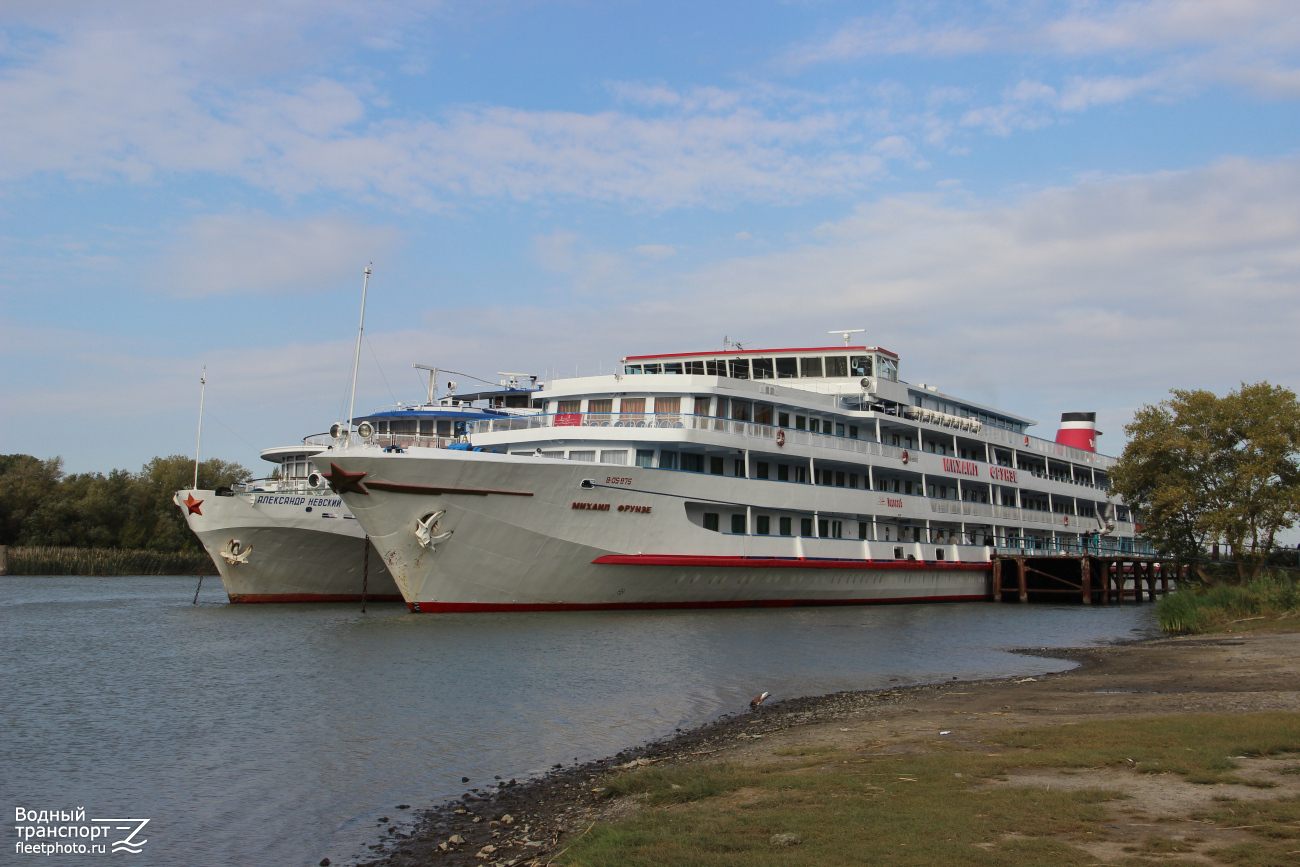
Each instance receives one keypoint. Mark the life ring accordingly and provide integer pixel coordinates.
(905, 457)
(780, 437)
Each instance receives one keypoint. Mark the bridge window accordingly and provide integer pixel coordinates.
(714, 367)
(787, 368)
(887, 368)
(632, 368)
(837, 365)
(694, 367)
(674, 367)
(859, 365)
(652, 368)
(740, 368)
(810, 366)
(763, 368)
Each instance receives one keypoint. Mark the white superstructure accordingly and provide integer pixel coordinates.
(728, 478)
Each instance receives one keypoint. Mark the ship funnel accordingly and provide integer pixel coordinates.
(1079, 429)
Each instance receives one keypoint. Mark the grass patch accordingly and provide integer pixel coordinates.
(1278, 820)
(851, 807)
(1213, 609)
(1198, 746)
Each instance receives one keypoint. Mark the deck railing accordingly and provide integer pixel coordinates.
(1102, 546)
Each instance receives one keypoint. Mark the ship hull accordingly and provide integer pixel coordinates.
(296, 555)
(526, 535)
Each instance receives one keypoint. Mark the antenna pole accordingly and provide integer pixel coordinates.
(198, 441)
(356, 361)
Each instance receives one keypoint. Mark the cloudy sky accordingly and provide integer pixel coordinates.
(1046, 206)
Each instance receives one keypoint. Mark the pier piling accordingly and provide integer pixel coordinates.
(1089, 579)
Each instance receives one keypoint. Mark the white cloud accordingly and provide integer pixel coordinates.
(120, 103)
(233, 253)
(1251, 43)
(1101, 295)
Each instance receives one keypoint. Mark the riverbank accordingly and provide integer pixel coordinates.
(1125, 757)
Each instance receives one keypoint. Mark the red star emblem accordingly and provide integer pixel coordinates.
(193, 505)
(345, 483)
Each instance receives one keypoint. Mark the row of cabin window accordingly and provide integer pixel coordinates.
(738, 410)
(982, 417)
(773, 368)
(829, 528)
(426, 427)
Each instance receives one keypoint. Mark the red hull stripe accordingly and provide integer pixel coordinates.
(314, 597)
(424, 489)
(465, 607)
(785, 563)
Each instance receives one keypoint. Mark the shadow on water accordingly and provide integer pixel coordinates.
(277, 733)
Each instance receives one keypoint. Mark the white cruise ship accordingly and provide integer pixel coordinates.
(735, 478)
(290, 538)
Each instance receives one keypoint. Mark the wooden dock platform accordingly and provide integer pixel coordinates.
(1089, 579)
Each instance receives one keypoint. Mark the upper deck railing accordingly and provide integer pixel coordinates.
(735, 427)
(391, 440)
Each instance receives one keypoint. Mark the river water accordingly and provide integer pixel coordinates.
(277, 734)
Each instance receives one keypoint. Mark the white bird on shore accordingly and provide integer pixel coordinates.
(756, 702)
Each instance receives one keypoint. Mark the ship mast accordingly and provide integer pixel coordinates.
(356, 361)
(198, 441)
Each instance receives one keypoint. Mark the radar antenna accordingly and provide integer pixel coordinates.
(845, 332)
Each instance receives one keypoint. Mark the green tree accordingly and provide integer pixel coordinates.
(156, 522)
(1201, 469)
(25, 483)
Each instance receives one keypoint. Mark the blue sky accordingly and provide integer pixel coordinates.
(1044, 206)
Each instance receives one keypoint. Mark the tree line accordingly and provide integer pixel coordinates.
(40, 505)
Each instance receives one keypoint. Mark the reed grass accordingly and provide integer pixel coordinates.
(107, 562)
(1211, 609)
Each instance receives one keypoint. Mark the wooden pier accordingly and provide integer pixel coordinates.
(1090, 579)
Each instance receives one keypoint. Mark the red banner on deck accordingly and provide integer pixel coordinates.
(568, 419)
